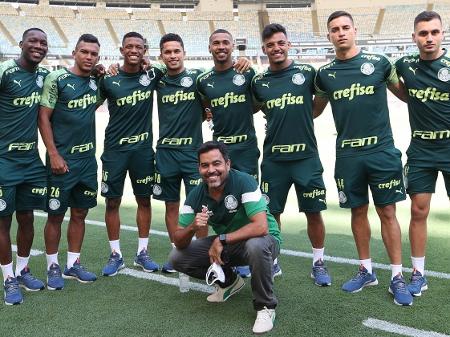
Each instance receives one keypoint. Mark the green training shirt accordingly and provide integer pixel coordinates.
(428, 90)
(74, 101)
(232, 105)
(356, 89)
(20, 94)
(130, 106)
(286, 98)
(180, 112)
(242, 199)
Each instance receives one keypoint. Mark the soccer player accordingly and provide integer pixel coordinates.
(128, 148)
(22, 178)
(426, 76)
(355, 83)
(180, 131)
(232, 204)
(229, 95)
(290, 149)
(67, 126)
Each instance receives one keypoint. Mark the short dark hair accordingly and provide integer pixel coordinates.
(132, 34)
(220, 31)
(272, 29)
(88, 38)
(30, 30)
(214, 145)
(170, 37)
(338, 14)
(426, 16)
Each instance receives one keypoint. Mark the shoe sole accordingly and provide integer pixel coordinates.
(115, 273)
(320, 284)
(168, 271)
(398, 303)
(367, 284)
(23, 286)
(424, 287)
(146, 270)
(70, 277)
(52, 289)
(15, 303)
(236, 290)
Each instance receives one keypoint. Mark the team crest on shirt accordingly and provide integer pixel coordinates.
(342, 197)
(40, 81)
(144, 80)
(93, 85)
(230, 202)
(298, 78)
(266, 198)
(444, 74)
(186, 82)
(104, 187)
(239, 79)
(157, 190)
(2, 205)
(367, 68)
(54, 204)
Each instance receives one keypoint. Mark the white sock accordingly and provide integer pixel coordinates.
(115, 246)
(7, 271)
(71, 258)
(418, 264)
(142, 244)
(173, 245)
(275, 261)
(21, 263)
(317, 254)
(367, 263)
(51, 258)
(396, 269)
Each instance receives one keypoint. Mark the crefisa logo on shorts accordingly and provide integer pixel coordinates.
(104, 187)
(2, 205)
(54, 204)
(231, 203)
(157, 190)
(342, 197)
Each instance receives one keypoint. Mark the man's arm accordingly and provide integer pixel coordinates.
(58, 164)
(319, 104)
(257, 227)
(183, 235)
(398, 89)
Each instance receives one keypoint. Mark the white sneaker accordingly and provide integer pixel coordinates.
(222, 294)
(264, 320)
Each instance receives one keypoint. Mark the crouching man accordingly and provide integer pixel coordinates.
(231, 203)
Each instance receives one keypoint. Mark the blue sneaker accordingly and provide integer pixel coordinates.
(168, 268)
(243, 271)
(418, 283)
(276, 270)
(115, 263)
(12, 293)
(55, 280)
(79, 273)
(362, 279)
(144, 261)
(28, 281)
(398, 288)
(320, 274)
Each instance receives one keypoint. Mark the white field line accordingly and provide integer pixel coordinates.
(33, 252)
(165, 280)
(377, 324)
(288, 252)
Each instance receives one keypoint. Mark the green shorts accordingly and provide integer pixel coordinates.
(139, 164)
(76, 188)
(381, 171)
(277, 178)
(172, 166)
(245, 159)
(423, 166)
(23, 184)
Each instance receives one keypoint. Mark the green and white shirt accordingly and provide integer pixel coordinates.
(242, 199)
(356, 89)
(20, 94)
(74, 101)
(286, 98)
